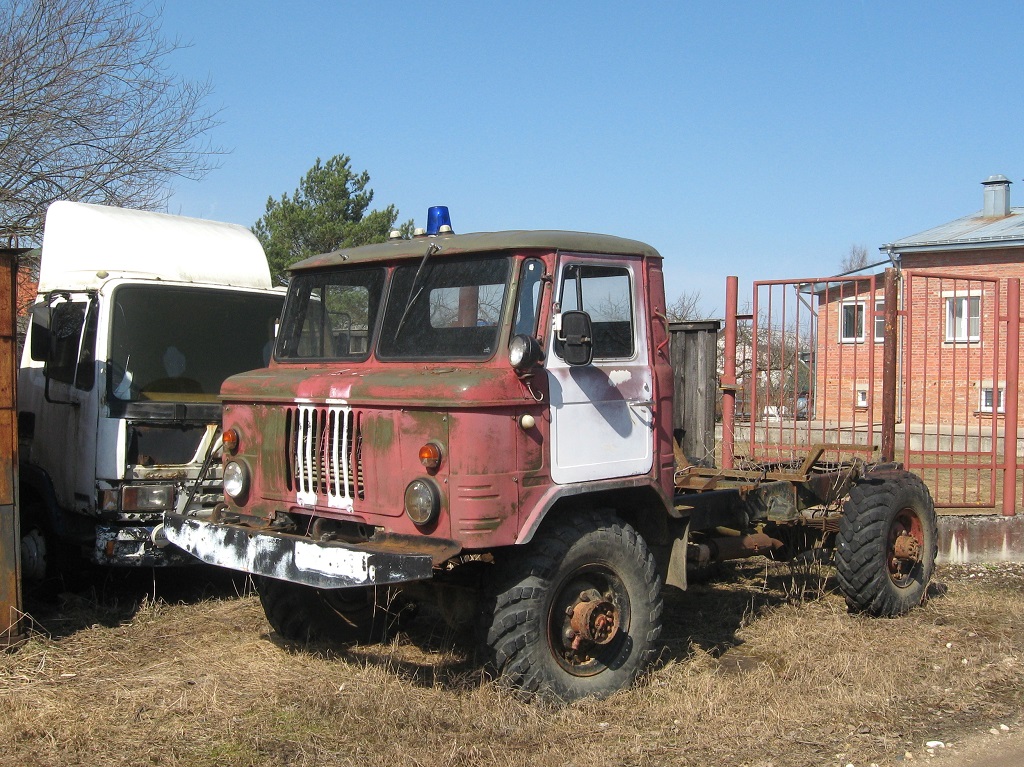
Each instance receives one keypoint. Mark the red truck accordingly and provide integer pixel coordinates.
(487, 418)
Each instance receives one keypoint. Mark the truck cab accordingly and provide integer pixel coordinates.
(139, 318)
(440, 404)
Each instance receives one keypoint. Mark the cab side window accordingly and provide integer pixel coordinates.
(605, 293)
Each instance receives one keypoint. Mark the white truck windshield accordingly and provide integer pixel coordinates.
(180, 343)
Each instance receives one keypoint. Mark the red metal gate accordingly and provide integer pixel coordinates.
(810, 368)
(960, 386)
(926, 374)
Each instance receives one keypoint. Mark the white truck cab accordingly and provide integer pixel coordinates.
(139, 318)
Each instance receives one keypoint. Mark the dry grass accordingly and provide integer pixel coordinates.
(746, 678)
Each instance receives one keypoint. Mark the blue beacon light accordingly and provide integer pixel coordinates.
(437, 216)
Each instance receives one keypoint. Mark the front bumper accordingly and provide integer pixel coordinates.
(293, 558)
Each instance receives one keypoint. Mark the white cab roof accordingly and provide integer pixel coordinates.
(85, 245)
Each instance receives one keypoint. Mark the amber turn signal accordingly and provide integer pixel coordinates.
(430, 455)
(230, 440)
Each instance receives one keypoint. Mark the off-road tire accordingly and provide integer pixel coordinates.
(531, 593)
(877, 511)
(338, 617)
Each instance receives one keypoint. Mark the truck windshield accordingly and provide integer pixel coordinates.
(455, 311)
(331, 315)
(180, 343)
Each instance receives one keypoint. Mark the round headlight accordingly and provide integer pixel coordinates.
(422, 501)
(236, 479)
(523, 352)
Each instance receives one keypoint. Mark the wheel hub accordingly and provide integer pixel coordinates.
(906, 542)
(588, 619)
(907, 548)
(594, 621)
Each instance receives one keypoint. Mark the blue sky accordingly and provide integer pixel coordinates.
(749, 138)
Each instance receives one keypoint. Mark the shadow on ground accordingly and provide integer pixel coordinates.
(112, 596)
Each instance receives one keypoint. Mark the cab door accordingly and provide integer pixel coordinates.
(602, 418)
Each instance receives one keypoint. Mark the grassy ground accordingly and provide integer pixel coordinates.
(759, 669)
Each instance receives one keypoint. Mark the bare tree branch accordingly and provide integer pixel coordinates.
(688, 306)
(90, 111)
(856, 258)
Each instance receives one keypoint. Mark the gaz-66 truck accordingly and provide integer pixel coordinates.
(139, 318)
(488, 417)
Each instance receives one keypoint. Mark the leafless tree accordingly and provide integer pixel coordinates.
(856, 258)
(688, 306)
(90, 111)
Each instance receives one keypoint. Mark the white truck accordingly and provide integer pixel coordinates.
(139, 318)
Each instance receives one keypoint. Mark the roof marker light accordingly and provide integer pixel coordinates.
(438, 218)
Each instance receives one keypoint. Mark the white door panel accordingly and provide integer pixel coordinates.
(602, 419)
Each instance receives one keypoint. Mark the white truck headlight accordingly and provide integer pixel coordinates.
(422, 501)
(236, 479)
(147, 497)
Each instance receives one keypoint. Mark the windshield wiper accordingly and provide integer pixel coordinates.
(415, 288)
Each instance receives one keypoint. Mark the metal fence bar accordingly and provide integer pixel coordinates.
(1009, 506)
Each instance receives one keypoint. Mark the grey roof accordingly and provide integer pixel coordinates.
(973, 231)
(451, 244)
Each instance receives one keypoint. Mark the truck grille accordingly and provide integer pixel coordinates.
(324, 455)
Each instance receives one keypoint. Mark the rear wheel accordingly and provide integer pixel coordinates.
(575, 613)
(333, 616)
(886, 545)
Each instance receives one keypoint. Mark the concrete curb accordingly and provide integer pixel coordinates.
(982, 538)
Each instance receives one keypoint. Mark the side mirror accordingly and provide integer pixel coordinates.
(39, 349)
(577, 335)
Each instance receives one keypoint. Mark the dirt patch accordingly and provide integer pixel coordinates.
(763, 668)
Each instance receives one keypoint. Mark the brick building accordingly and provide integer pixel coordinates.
(952, 294)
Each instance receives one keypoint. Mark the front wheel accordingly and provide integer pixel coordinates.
(333, 616)
(886, 545)
(575, 613)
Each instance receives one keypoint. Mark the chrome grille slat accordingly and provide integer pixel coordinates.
(323, 442)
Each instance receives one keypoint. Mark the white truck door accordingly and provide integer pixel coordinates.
(602, 418)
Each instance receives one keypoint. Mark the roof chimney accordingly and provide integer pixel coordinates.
(997, 196)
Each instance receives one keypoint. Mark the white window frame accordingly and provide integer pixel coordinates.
(879, 323)
(991, 390)
(861, 308)
(958, 329)
(861, 397)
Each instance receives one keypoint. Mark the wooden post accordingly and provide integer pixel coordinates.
(10, 525)
(694, 367)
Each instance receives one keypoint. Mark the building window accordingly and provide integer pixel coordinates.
(988, 400)
(862, 397)
(879, 321)
(963, 318)
(851, 322)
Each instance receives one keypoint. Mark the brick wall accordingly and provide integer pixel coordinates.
(946, 376)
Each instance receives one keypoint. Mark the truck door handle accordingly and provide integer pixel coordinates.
(642, 403)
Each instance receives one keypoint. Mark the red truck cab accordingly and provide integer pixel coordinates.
(444, 398)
